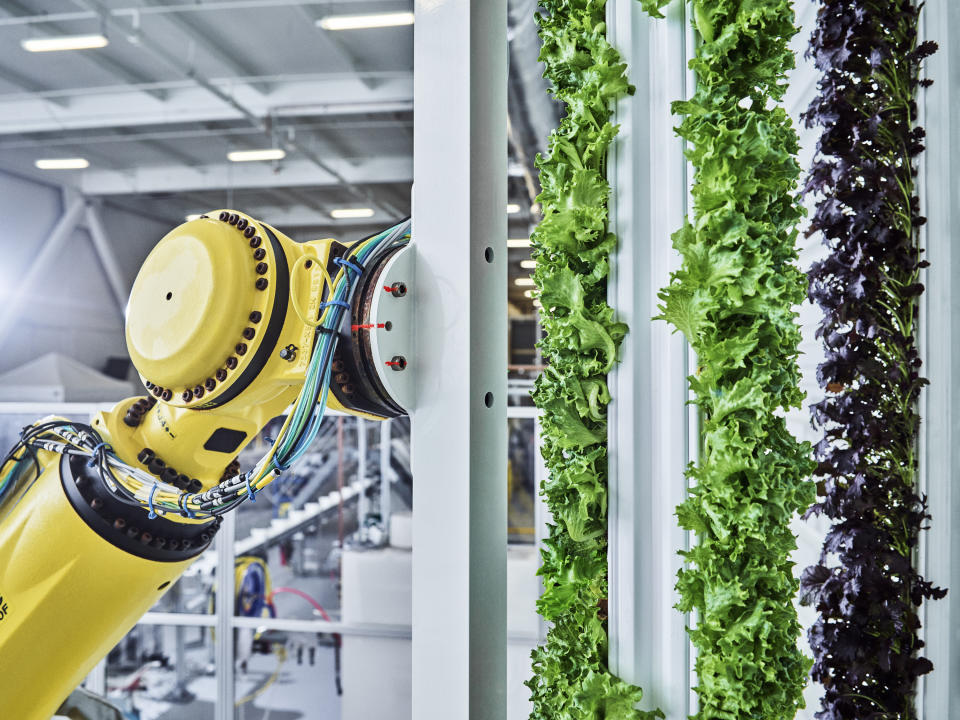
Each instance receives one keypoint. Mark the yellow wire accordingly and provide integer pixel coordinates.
(328, 285)
(281, 657)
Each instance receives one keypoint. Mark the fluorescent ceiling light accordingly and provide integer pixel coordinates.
(537, 304)
(351, 213)
(254, 155)
(362, 22)
(190, 218)
(528, 264)
(62, 163)
(523, 282)
(513, 209)
(64, 42)
(518, 243)
(528, 293)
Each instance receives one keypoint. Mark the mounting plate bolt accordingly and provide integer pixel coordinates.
(289, 353)
(398, 362)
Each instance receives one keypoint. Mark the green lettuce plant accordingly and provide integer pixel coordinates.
(733, 299)
(572, 246)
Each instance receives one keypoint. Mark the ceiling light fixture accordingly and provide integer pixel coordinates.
(518, 243)
(62, 163)
(255, 155)
(363, 22)
(351, 213)
(513, 209)
(528, 293)
(523, 282)
(64, 42)
(528, 264)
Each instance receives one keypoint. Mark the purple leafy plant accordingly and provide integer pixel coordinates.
(866, 588)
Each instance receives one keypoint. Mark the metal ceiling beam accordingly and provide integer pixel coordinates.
(270, 79)
(241, 176)
(185, 8)
(157, 145)
(210, 103)
(177, 63)
(104, 62)
(24, 83)
(336, 43)
(203, 38)
(128, 135)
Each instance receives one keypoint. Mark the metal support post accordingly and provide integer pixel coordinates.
(226, 690)
(940, 329)
(459, 428)
(108, 258)
(363, 502)
(386, 475)
(96, 681)
(73, 209)
(648, 427)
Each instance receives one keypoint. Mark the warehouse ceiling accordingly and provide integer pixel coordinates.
(182, 84)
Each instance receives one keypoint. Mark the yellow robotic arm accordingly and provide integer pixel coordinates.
(230, 324)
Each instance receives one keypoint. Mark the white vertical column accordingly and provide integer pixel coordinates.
(223, 649)
(648, 430)
(459, 429)
(386, 475)
(363, 502)
(940, 327)
(96, 681)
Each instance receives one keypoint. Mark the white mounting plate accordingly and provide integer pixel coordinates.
(398, 340)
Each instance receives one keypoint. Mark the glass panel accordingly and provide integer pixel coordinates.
(290, 542)
(195, 591)
(286, 676)
(160, 672)
(521, 481)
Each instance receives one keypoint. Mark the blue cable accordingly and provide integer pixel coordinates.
(181, 501)
(347, 264)
(153, 513)
(93, 453)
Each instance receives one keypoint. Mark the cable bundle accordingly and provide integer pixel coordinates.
(865, 587)
(137, 487)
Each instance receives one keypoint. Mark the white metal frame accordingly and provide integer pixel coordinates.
(940, 328)
(650, 425)
(458, 438)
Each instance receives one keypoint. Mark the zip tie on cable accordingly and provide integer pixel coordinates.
(250, 491)
(184, 510)
(153, 513)
(336, 303)
(347, 264)
(93, 453)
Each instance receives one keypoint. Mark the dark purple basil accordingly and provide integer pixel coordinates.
(866, 589)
